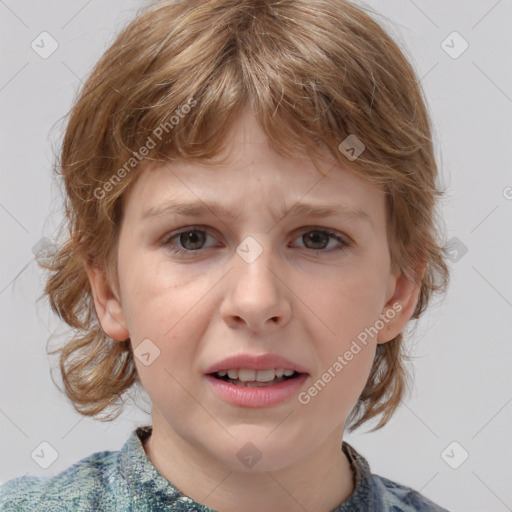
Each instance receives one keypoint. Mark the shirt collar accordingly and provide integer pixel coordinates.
(148, 486)
(363, 495)
(145, 483)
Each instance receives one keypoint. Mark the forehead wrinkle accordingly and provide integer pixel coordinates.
(202, 209)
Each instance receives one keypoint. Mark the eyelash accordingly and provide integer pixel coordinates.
(345, 244)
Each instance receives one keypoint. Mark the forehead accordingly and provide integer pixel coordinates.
(249, 177)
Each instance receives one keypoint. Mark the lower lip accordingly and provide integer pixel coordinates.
(257, 397)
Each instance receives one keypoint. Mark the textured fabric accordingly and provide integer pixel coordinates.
(126, 480)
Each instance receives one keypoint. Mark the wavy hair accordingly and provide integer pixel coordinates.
(313, 72)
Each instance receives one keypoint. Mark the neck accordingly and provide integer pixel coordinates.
(318, 482)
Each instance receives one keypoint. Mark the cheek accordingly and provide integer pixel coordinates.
(346, 359)
(347, 305)
(162, 305)
(153, 296)
(331, 395)
(348, 312)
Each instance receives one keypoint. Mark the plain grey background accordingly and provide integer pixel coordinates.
(461, 403)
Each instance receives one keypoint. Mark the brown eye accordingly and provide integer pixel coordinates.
(318, 239)
(192, 240)
(188, 242)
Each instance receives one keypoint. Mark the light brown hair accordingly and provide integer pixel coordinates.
(313, 72)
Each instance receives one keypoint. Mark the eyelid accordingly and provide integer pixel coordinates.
(185, 229)
(347, 239)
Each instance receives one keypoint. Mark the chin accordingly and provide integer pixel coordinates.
(253, 453)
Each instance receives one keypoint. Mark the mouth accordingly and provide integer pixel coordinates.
(256, 388)
(256, 378)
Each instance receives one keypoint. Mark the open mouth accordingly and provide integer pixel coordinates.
(260, 381)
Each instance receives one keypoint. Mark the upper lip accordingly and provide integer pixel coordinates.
(255, 362)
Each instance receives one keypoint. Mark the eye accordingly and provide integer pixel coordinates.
(193, 239)
(318, 239)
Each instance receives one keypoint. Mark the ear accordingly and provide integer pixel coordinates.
(108, 305)
(402, 296)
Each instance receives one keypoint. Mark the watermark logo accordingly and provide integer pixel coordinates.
(249, 250)
(455, 45)
(454, 455)
(44, 250)
(456, 249)
(44, 45)
(146, 352)
(44, 455)
(342, 361)
(249, 455)
(352, 147)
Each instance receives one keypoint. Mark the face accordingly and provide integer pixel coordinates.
(198, 289)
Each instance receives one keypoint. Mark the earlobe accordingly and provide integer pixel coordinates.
(108, 306)
(400, 306)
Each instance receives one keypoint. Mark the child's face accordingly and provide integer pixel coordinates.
(303, 304)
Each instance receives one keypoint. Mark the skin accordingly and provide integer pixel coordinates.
(307, 305)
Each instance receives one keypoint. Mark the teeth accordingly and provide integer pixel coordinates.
(263, 375)
(246, 375)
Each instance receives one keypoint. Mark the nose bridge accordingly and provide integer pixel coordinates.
(253, 261)
(254, 293)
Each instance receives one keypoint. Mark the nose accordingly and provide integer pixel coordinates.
(257, 294)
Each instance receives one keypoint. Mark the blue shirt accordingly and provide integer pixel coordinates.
(126, 480)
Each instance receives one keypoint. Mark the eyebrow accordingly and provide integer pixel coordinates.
(298, 209)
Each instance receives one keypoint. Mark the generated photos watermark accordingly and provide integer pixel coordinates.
(158, 133)
(305, 397)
